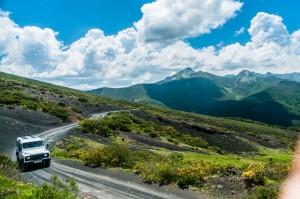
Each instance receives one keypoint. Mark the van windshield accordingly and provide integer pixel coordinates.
(36, 144)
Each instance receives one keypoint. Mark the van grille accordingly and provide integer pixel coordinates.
(37, 157)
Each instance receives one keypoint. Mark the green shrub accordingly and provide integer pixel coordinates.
(176, 156)
(54, 109)
(96, 126)
(30, 104)
(152, 171)
(185, 181)
(277, 171)
(59, 153)
(262, 192)
(7, 166)
(111, 156)
(83, 99)
(141, 156)
(72, 147)
(56, 189)
(76, 109)
(192, 175)
(154, 135)
(267, 193)
(167, 175)
(255, 175)
(194, 141)
(258, 174)
(12, 187)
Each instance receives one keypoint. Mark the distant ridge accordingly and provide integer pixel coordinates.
(270, 98)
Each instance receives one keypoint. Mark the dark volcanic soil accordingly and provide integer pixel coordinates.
(225, 141)
(226, 187)
(145, 141)
(18, 122)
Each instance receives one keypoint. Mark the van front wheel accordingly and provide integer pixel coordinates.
(47, 163)
(24, 166)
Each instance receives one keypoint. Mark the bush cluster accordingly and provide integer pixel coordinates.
(261, 192)
(126, 122)
(152, 167)
(99, 127)
(56, 189)
(7, 166)
(260, 174)
(54, 109)
(108, 156)
(18, 98)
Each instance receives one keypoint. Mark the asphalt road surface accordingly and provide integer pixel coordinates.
(93, 184)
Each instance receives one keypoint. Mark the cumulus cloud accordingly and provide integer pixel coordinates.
(271, 49)
(165, 20)
(32, 48)
(268, 28)
(97, 60)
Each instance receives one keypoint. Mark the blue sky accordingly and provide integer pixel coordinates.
(97, 43)
(73, 20)
(288, 10)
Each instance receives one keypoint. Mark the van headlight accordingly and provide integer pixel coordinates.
(27, 158)
(46, 155)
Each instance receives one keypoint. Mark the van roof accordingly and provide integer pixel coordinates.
(32, 138)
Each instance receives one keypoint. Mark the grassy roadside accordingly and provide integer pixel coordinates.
(186, 170)
(260, 172)
(12, 187)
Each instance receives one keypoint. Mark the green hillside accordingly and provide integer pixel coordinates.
(278, 105)
(162, 145)
(248, 95)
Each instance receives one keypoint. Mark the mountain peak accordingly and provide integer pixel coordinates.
(246, 73)
(246, 76)
(185, 73)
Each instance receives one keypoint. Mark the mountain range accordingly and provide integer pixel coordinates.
(269, 98)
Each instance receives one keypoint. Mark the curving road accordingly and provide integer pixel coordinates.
(92, 184)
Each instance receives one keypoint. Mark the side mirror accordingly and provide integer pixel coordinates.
(47, 146)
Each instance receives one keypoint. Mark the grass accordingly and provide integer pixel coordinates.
(185, 169)
(126, 122)
(242, 162)
(275, 155)
(264, 170)
(64, 103)
(12, 187)
(229, 125)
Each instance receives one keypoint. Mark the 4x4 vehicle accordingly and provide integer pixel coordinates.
(32, 150)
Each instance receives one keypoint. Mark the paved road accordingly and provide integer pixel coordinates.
(95, 185)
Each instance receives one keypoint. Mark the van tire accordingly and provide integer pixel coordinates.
(24, 166)
(47, 163)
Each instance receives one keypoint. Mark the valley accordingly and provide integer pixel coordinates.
(269, 98)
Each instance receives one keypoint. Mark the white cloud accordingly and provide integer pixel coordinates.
(97, 60)
(272, 49)
(239, 32)
(165, 20)
(268, 28)
(29, 49)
